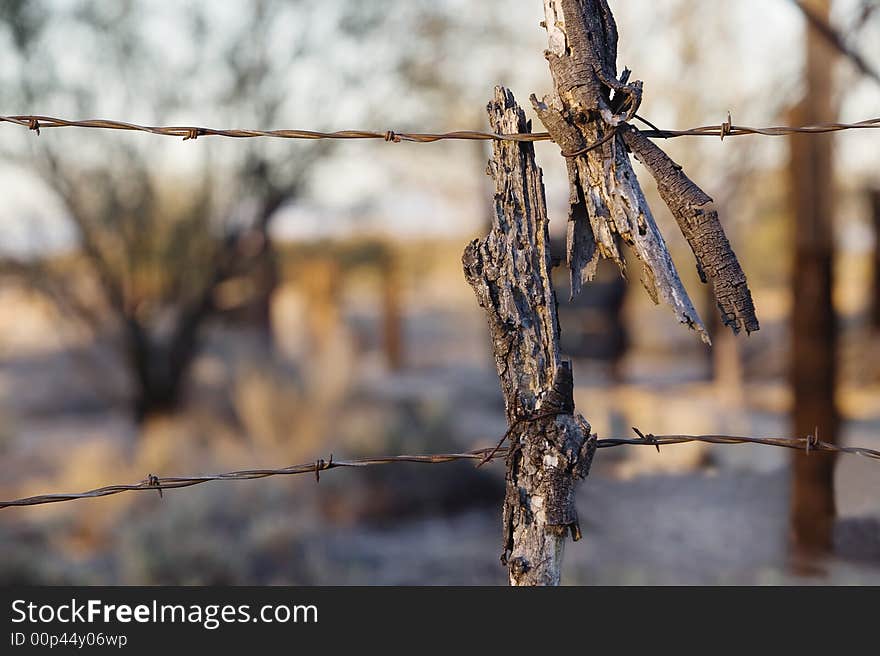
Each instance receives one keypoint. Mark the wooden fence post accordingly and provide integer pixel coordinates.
(550, 446)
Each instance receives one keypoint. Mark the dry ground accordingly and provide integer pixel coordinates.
(692, 514)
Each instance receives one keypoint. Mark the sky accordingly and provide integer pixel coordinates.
(698, 59)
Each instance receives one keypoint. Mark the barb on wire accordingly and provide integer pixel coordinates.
(152, 482)
(808, 444)
(725, 129)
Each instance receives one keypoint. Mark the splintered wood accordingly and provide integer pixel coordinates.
(550, 446)
(591, 105)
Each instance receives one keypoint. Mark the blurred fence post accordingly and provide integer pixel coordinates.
(813, 366)
(550, 446)
(393, 341)
(875, 286)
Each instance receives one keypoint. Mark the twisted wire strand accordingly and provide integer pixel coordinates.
(38, 122)
(159, 483)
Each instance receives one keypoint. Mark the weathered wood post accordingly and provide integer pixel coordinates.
(550, 446)
(588, 117)
(875, 279)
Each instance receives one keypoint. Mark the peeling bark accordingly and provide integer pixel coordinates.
(698, 220)
(550, 446)
(591, 107)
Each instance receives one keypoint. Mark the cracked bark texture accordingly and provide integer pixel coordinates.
(550, 446)
(591, 105)
(698, 220)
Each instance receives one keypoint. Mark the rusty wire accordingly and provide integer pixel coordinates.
(158, 483)
(36, 123)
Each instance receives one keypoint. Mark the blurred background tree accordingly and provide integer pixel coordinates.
(168, 250)
(170, 246)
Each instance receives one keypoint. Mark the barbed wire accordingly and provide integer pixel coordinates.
(725, 129)
(159, 483)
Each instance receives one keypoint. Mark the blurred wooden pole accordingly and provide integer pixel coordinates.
(813, 367)
(267, 278)
(875, 287)
(392, 314)
(725, 365)
(322, 287)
